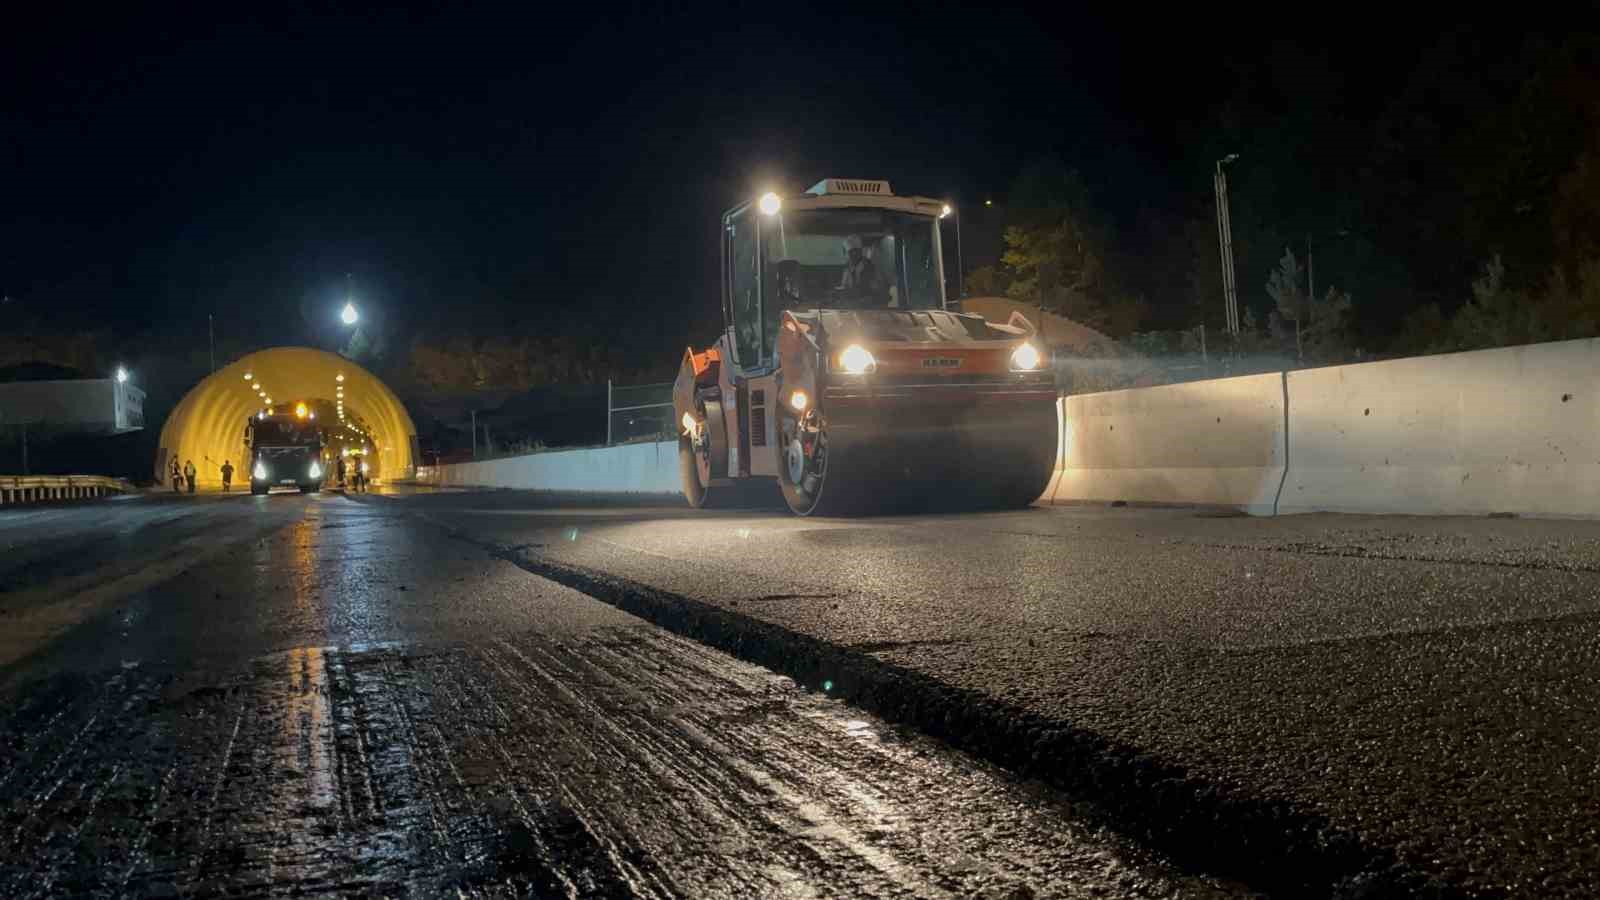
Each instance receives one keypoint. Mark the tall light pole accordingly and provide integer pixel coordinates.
(1230, 293)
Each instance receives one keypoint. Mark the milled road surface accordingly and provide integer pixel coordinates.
(277, 696)
(1321, 704)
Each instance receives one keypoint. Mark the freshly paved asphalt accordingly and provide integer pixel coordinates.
(223, 696)
(1307, 704)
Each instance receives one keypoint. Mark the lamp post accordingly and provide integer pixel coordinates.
(1230, 294)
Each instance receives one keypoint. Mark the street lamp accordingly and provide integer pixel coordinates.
(349, 316)
(122, 375)
(1230, 291)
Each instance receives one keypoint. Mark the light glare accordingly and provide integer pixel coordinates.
(1025, 358)
(856, 360)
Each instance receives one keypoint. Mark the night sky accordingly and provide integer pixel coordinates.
(472, 170)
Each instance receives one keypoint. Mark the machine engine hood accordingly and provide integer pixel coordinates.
(897, 326)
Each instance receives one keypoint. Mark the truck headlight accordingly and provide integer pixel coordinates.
(315, 470)
(260, 471)
(1025, 358)
(856, 360)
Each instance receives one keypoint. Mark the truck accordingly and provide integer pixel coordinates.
(284, 447)
(846, 377)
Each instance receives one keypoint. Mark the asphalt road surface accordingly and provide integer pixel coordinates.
(236, 696)
(497, 692)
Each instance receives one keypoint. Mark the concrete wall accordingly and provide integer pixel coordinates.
(1210, 442)
(626, 469)
(1509, 430)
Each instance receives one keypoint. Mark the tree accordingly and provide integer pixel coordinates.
(984, 281)
(1319, 323)
(1057, 252)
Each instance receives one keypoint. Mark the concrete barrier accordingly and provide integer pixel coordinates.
(650, 468)
(1509, 430)
(1216, 442)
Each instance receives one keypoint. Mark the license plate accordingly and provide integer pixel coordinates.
(941, 362)
(287, 481)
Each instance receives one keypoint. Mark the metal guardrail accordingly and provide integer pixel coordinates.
(15, 489)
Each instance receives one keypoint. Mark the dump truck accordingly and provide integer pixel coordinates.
(844, 375)
(283, 446)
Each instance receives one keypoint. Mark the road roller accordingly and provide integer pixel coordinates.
(843, 376)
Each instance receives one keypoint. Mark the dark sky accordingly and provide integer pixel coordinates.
(487, 169)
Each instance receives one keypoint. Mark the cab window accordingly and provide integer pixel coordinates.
(744, 292)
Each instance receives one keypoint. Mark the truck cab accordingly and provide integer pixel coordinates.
(283, 449)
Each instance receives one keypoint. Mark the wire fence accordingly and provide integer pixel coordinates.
(639, 412)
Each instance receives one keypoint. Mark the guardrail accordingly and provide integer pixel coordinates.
(15, 489)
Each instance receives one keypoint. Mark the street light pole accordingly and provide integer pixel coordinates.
(1230, 294)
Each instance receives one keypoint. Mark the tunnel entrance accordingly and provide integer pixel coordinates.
(355, 412)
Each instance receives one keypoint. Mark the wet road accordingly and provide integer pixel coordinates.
(272, 696)
(1321, 704)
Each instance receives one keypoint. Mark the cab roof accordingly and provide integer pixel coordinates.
(832, 193)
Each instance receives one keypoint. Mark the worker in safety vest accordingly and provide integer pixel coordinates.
(190, 474)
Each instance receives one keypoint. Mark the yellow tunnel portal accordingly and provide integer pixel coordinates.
(353, 407)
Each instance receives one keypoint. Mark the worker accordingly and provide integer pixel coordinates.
(341, 473)
(787, 275)
(859, 281)
(177, 476)
(361, 479)
(227, 474)
(190, 474)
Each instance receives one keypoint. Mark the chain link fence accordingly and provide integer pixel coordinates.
(639, 412)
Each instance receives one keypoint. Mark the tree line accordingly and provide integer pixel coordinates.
(1454, 207)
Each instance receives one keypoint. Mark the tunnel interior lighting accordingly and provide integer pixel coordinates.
(339, 377)
(248, 376)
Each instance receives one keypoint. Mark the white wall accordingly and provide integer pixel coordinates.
(1209, 442)
(625, 469)
(1508, 430)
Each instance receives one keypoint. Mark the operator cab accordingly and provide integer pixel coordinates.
(844, 244)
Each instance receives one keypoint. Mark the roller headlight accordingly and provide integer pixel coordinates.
(260, 471)
(315, 470)
(855, 360)
(1025, 358)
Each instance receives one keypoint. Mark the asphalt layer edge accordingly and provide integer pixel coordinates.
(1270, 845)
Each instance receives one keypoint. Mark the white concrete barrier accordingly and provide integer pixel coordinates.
(624, 469)
(1513, 430)
(1209, 442)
